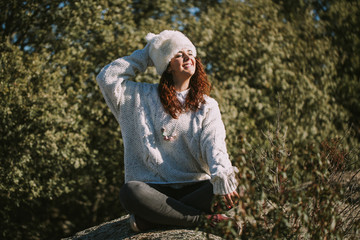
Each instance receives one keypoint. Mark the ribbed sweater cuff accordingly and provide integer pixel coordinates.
(225, 183)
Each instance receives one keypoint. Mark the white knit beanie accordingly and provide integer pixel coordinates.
(165, 45)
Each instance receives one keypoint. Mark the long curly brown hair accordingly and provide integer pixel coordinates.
(199, 86)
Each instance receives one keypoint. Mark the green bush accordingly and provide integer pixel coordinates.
(284, 197)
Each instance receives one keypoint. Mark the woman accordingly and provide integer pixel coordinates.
(175, 155)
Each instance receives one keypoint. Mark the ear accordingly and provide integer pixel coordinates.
(168, 70)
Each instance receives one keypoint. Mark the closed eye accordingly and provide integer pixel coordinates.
(180, 54)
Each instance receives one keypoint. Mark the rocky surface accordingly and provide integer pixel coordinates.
(120, 229)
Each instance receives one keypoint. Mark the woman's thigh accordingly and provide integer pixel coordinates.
(198, 195)
(152, 205)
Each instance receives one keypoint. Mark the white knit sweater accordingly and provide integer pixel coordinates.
(197, 153)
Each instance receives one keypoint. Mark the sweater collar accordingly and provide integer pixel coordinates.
(182, 95)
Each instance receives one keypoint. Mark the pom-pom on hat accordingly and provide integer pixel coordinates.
(165, 45)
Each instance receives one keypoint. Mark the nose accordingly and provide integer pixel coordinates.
(185, 56)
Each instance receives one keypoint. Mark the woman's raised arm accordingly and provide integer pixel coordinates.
(113, 78)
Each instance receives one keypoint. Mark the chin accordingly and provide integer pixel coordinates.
(191, 71)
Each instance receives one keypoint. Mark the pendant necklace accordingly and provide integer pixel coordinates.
(173, 135)
(169, 136)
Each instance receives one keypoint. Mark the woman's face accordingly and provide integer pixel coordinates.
(183, 64)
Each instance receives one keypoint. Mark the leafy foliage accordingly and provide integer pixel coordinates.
(292, 63)
(286, 198)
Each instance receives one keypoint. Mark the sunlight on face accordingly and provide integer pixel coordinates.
(183, 64)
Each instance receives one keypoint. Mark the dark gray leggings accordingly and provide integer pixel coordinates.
(163, 205)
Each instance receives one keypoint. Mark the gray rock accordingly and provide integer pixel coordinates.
(120, 229)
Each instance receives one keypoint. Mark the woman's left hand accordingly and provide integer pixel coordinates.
(229, 200)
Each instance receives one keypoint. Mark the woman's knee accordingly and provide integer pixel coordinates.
(131, 193)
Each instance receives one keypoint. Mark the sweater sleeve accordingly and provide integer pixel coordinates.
(213, 148)
(113, 78)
